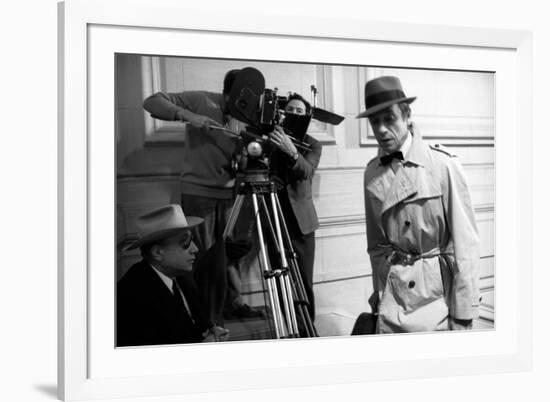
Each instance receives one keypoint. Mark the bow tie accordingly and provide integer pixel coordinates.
(386, 159)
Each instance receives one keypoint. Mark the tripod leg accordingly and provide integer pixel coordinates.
(270, 279)
(301, 296)
(301, 311)
(284, 280)
(282, 273)
(233, 215)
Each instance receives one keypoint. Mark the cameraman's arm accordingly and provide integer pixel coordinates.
(164, 106)
(173, 106)
(302, 166)
(305, 165)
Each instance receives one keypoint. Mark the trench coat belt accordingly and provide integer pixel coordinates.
(402, 257)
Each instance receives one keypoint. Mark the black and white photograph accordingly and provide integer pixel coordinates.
(266, 200)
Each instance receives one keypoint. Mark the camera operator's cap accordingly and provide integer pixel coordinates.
(161, 223)
(382, 92)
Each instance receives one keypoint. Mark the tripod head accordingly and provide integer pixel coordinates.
(258, 181)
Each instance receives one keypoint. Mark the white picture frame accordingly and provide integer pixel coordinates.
(88, 369)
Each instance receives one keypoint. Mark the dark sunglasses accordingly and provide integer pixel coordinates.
(183, 242)
(186, 241)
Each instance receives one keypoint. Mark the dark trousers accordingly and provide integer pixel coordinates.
(304, 246)
(223, 287)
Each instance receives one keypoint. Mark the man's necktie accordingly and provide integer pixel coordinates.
(178, 297)
(386, 159)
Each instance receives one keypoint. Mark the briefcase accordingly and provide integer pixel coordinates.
(365, 324)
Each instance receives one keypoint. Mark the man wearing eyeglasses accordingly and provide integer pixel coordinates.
(157, 300)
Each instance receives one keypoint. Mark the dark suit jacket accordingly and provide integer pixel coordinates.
(147, 313)
(298, 178)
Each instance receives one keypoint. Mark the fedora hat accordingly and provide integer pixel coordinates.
(161, 223)
(382, 92)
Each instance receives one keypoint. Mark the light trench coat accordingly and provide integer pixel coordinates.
(422, 241)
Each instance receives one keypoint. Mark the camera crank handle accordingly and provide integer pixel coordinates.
(225, 130)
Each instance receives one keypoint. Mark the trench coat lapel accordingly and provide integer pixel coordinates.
(411, 180)
(391, 188)
(402, 187)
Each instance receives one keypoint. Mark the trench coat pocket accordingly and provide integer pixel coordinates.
(417, 284)
(413, 298)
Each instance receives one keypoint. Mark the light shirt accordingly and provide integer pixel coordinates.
(406, 146)
(169, 282)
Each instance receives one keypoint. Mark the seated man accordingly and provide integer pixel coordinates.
(157, 300)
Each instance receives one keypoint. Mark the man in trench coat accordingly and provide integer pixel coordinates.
(421, 232)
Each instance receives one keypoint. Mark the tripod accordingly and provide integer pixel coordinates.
(287, 297)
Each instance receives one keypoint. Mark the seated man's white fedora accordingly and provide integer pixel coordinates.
(161, 223)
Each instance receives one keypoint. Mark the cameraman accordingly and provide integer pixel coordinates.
(295, 169)
(207, 182)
